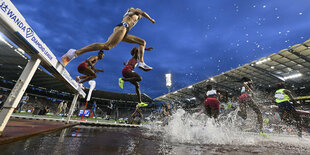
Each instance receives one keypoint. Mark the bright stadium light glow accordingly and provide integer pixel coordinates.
(3, 40)
(262, 61)
(168, 80)
(189, 87)
(293, 76)
(190, 99)
(175, 92)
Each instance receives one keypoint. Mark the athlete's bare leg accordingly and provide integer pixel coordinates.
(137, 85)
(116, 37)
(133, 77)
(90, 74)
(83, 77)
(133, 39)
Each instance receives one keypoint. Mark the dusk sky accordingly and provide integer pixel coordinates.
(193, 40)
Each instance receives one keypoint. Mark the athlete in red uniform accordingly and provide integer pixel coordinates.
(211, 103)
(246, 99)
(131, 76)
(87, 68)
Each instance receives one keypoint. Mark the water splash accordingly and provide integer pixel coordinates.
(187, 128)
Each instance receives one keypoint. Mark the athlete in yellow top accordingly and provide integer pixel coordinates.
(120, 33)
(283, 97)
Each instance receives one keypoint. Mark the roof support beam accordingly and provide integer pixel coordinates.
(225, 87)
(259, 80)
(275, 76)
(300, 55)
(184, 93)
(232, 77)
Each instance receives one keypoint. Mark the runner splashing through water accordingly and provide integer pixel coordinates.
(211, 103)
(246, 99)
(120, 33)
(283, 96)
(131, 76)
(87, 68)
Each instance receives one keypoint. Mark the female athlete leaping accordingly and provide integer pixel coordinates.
(131, 76)
(120, 33)
(87, 68)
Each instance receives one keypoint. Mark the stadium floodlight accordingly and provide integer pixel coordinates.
(293, 76)
(190, 87)
(168, 81)
(175, 92)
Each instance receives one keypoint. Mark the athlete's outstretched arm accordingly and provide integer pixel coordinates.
(149, 49)
(287, 92)
(92, 65)
(144, 14)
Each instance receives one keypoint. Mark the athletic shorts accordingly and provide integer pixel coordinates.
(82, 66)
(285, 106)
(213, 103)
(126, 71)
(244, 98)
(126, 26)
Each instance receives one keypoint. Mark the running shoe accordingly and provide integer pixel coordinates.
(77, 79)
(299, 134)
(144, 66)
(263, 134)
(70, 55)
(141, 104)
(121, 82)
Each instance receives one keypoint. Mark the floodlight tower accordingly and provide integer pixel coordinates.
(168, 81)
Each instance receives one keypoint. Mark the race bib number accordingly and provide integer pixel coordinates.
(279, 96)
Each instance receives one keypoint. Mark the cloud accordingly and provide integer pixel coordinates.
(192, 39)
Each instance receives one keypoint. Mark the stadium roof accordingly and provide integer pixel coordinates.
(290, 65)
(13, 60)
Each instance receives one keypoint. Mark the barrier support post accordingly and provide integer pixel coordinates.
(84, 110)
(76, 96)
(18, 91)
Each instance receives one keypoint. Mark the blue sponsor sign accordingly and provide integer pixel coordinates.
(12, 17)
(86, 114)
(11, 13)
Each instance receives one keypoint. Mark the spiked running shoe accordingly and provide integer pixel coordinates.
(121, 83)
(141, 104)
(70, 55)
(144, 66)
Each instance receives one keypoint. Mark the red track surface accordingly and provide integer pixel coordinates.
(22, 128)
